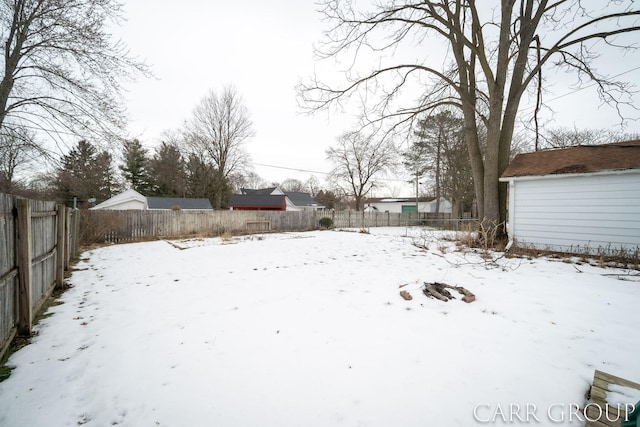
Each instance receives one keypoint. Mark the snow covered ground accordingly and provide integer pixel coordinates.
(308, 329)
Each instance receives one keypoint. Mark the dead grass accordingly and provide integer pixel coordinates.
(488, 239)
(602, 257)
(485, 236)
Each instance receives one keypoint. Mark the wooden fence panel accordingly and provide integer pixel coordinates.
(44, 235)
(8, 272)
(134, 225)
(31, 260)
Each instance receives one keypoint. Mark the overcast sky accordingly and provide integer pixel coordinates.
(264, 49)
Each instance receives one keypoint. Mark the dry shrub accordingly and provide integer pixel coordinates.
(601, 257)
(488, 236)
(97, 227)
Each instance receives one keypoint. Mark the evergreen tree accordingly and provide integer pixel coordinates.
(440, 152)
(167, 171)
(136, 166)
(85, 173)
(199, 177)
(329, 199)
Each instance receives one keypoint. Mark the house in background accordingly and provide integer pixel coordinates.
(131, 199)
(273, 199)
(182, 203)
(578, 199)
(258, 202)
(406, 205)
(302, 201)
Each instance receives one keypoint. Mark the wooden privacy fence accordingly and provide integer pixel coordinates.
(132, 225)
(37, 240)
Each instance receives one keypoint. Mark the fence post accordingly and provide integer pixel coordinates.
(67, 233)
(60, 247)
(23, 256)
(76, 232)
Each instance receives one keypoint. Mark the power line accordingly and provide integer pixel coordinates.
(322, 173)
(291, 169)
(584, 87)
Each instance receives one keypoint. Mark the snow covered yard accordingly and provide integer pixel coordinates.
(308, 329)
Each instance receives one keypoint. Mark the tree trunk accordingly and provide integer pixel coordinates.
(438, 154)
(358, 202)
(11, 59)
(491, 216)
(467, 92)
(218, 185)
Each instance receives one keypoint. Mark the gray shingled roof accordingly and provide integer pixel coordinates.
(257, 200)
(302, 199)
(183, 203)
(265, 191)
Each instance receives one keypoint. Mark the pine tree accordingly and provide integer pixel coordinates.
(440, 152)
(136, 166)
(167, 172)
(85, 173)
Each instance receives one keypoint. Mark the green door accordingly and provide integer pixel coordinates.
(409, 208)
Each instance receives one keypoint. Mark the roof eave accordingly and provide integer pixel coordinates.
(569, 175)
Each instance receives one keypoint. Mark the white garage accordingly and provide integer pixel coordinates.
(579, 199)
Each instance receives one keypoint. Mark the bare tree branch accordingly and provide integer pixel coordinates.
(218, 130)
(61, 69)
(491, 60)
(358, 159)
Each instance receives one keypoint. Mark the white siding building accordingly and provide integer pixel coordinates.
(408, 205)
(132, 200)
(129, 199)
(579, 199)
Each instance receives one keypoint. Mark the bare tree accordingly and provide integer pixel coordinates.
(312, 185)
(292, 185)
(358, 159)
(219, 128)
(61, 67)
(567, 137)
(16, 151)
(495, 51)
(250, 180)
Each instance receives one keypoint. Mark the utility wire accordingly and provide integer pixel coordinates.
(291, 169)
(322, 173)
(584, 88)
